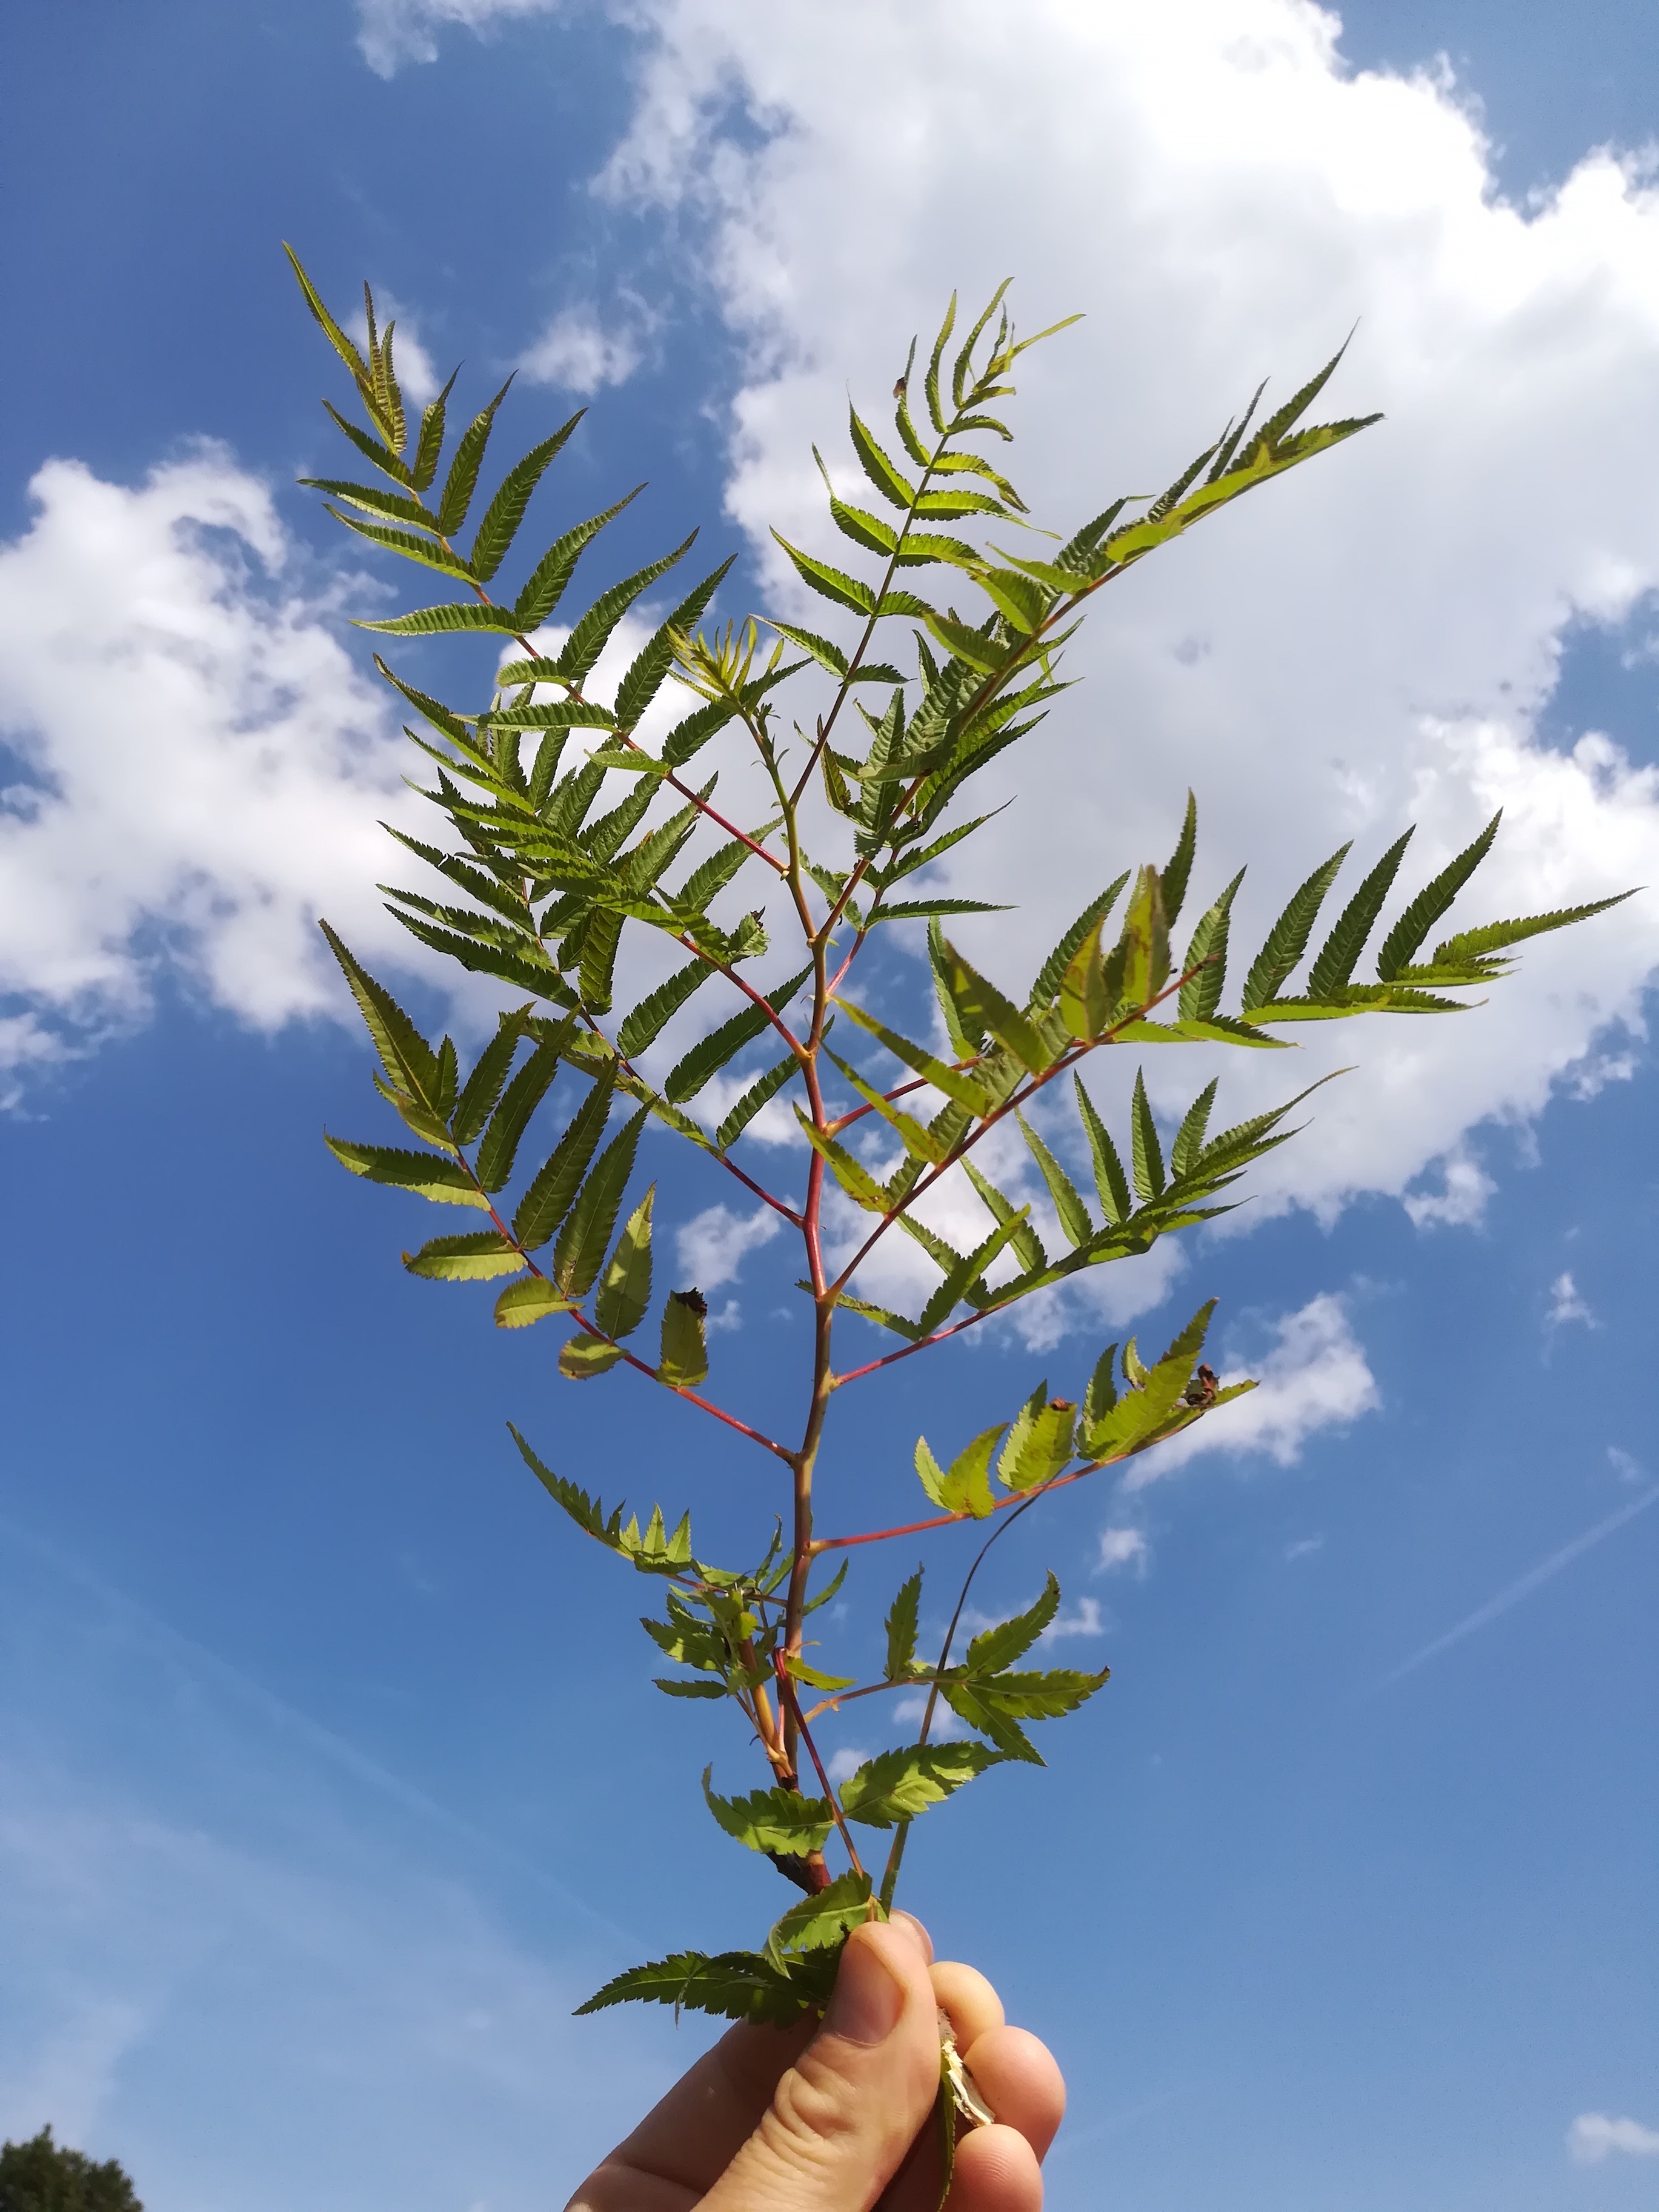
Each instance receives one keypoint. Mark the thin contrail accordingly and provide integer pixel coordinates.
(1524, 1587)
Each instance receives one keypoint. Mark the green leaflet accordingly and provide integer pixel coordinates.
(982, 1008)
(506, 511)
(579, 1252)
(582, 1357)
(1155, 1404)
(1109, 1179)
(684, 1362)
(821, 1920)
(850, 1172)
(1139, 966)
(732, 1986)
(1039, 1443)
(1189, 1146)
(1475, 946)
(951, 1081)
(918, 1142)
(964, 1277)
(1335, 964)
(758, 1093)
(1287, 941)
(482, 1087)
(897, 1785)
(430, 443)
(410, 1062)
(553, 1191)
(891, 481)
(832, 584)
(588, 640)
(405, 541)
(524, 1302)
(1027, 1244)
(1075, 1219)
(772, 1819)
(427, 1173)
(625, 1291)
(645, 675)
(902, 1619)
(652, 1015)
(1173, 881)
(995, 1705)
(1147, 1153)
(1431, 902)
(462, 480)
(654, 1552)
(445, 621)
(710, 1053)
(468, 1258)
(996, 1648)
(814, 1677)
(965, 1485)
(546, 584)
(499, 1145)
(1200, 995)
(1085, 927)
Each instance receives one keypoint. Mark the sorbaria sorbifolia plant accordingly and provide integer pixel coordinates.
(900, 715)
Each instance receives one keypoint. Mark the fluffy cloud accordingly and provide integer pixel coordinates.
(1594, 2135)
(1567, 1304)
(1123, 1548)
(713, 1246)
(197, 764)
(577, 353)
(392, 32)
(1368, 644)
(1315, 1376)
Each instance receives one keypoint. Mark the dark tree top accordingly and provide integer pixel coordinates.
(42, 2176)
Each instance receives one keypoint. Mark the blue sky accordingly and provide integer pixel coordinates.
(332, 1777)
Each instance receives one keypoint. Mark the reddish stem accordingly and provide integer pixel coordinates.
(949, 1520)
(787, 1697)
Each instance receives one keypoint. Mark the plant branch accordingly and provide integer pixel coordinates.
(787, 1698)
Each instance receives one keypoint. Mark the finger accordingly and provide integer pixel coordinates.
(1016, 2076)
(685, 2142)
(844, 2115)
(903, 1919)
(996, 2171)
(971, 2004)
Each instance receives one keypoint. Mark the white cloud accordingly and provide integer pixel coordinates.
(202, 765)
(1305, 1547)
(1085, 1621)
(1566, 1305)
(1594, 2135)
(577, 353)
(392, 32)
(1368, 644)
(1315, 1377)
(1123, 1548)
(1465, 1187)
(714, 1244)
(847, 1760)
(1625, 1465)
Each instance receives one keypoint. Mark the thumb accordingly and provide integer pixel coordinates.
(843, 2117)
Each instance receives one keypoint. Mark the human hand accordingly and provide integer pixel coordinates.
(838, 2118)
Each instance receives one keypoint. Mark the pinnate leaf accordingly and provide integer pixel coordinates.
(896, 1785)
(772, 1819)
(471, 1258)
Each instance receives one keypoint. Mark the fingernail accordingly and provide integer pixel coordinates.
(867, 2000)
